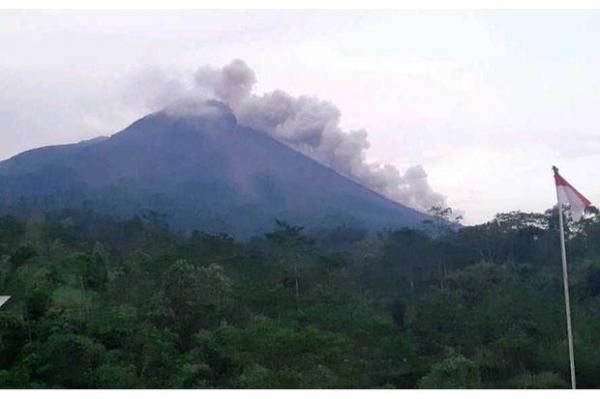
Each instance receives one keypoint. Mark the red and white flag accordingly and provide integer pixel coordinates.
(568, 196)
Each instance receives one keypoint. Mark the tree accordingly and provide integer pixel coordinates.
(453, 373)
(292, 244)
(96, 271)
(22, 254)
(275, 356)
(444, 219)
(65, 361)
(197, 295)
(36, 304)
(399, 313)
(150, 308)
(544, 380)
(13, 335)
(408, 256)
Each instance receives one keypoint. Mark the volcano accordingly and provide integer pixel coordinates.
(201, 171)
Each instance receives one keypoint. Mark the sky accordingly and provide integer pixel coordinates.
(485, 101)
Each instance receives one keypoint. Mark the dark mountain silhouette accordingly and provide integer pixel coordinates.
(202, 172)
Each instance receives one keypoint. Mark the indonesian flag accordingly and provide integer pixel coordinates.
(568, 196)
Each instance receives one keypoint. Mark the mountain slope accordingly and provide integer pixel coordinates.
(203, 172)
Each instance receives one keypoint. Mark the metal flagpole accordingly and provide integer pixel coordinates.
(566, 285)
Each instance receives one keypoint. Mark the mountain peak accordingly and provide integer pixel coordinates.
(193, 163)
(207, 111)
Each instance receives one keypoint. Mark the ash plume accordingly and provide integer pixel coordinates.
(305, 123)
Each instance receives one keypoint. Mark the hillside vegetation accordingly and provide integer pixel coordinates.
(105, 303)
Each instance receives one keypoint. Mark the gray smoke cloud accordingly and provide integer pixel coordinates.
(306, 124)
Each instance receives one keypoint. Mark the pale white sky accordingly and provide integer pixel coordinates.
(486, 101)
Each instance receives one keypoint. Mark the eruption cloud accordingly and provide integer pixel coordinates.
(304, 123)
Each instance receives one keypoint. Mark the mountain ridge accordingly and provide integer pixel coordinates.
(203, 172)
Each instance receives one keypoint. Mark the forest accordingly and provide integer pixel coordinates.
(99, 302)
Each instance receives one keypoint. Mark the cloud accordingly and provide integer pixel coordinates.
(232, 83)
(305, 123)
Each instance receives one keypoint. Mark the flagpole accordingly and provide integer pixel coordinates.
(566, 285)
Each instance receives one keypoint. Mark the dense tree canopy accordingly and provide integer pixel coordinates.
(104, 303)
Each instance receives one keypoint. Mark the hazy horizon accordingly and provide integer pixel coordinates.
(486, 101)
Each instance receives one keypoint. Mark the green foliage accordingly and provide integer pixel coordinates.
(456, 372)
(544, 380)
(13, 336)
(263, 350)
(22, 254)
(101, 303)
(192, 374)
(65, 360)
(36, 304)
(114, 376)
(197, 295)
